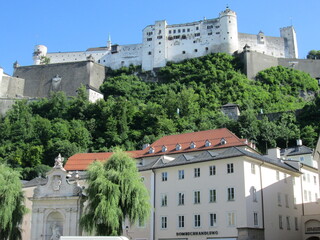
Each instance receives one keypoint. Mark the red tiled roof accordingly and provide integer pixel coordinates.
(81, 161)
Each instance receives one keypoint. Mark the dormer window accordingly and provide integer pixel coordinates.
(178, 147)
(164, 148)
(151, 150)
(208, 143)
(223, 141)
(192, 145)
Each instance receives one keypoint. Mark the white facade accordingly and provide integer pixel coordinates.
(162, 43)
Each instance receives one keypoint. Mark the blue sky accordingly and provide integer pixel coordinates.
(75, 25)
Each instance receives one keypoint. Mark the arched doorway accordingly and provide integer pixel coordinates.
(54, 226)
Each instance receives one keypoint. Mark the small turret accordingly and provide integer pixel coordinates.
(109, 43)
(39, 51)
(291, 45)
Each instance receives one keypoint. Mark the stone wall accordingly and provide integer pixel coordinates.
(11, 86)
(40, 80)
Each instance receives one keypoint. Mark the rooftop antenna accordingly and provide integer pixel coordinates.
(291, 21)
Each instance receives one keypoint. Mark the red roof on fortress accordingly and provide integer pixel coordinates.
(172, 144)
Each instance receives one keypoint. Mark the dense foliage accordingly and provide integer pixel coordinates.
(313, 54)
(187, 97)
(115, 193)
(12, 208)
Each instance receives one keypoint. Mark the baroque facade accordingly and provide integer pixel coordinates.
(162, 42)
(208, 185)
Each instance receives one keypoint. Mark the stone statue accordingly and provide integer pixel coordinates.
(58, 162)
(56, 182)
(55, 232)
(56, 82)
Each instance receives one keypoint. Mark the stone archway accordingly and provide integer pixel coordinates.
(54, 226)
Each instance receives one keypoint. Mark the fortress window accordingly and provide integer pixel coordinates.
(176, 37)
(183, 30)
(227, 32)
(188, 30)
(210, 33)
(207, 48)
(217, 32)
(159, 37)
(170, 38)
(217, 26)
(183, 37)
(197, 34)
(174, 31)
(159, 43)
(169, 31)
(197, 28)
(104, 60)
(149, 39)
(149, 53)
(179, 30)
(196, 50)
(159, 31)
(183, 52)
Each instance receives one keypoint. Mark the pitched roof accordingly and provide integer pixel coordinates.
(298, 150)
(213, 156)
(81, 161)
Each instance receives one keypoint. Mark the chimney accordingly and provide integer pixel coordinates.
(299, 142)
(274, 153)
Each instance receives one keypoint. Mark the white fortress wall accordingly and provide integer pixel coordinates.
(74, 56)
(273, 46)
(122, 56)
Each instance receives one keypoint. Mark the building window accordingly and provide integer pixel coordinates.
(164, 222)
(197, 172)
(212, 196)
(196, 197)
(230, 168)
(196, 50)
(197, 28)
(149, 39)
(149, 53)
(288, 223)
(231, 219)
(254, 194)
(183, 52)
(179, 31)
(286, 198)
(180, 199)
(279, 199)
(197, 220)
(181, 174)
(296, 226)
(164, 176)
(255, 219)
(253, 168)
(230, 194)
(213, 219)
(188, 30)
(212, 170)
(314, 179)
(305, 195)
(277, 175)
(295, 203)
(169, 31)
(280, 222)
(174, 31)
(164, 200)
(285, 177)
(181, 221)
(178, 147)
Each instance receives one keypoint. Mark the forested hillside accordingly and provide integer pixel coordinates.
(187, 97)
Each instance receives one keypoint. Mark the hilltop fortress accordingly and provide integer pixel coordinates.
(162, 43)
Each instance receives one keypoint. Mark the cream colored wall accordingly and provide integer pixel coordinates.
(221, 181)
(271, 188)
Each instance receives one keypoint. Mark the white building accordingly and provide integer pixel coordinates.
(162, 43)
(213, 185)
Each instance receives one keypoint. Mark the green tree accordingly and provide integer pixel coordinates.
(313, 54)
(11, 204)
(115, 193)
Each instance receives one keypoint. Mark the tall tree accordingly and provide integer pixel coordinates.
(115, 193)
(11, 204)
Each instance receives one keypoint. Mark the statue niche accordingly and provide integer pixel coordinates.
(54, 226)
(56, 83)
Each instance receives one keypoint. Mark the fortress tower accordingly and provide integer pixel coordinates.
(39, 51)
(291, 46)
(228, 31)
